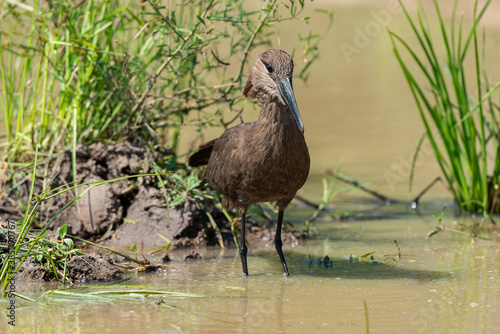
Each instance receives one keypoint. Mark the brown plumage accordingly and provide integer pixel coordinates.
(262, 161)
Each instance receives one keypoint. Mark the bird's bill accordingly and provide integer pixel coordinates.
(286, 91)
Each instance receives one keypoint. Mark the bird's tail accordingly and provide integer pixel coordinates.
(201, 157)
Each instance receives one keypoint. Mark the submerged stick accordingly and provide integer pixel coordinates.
(307, 202)
(355, 183)
(414, 203)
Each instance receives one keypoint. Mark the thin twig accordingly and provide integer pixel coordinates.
(307, 202)
(414, 202)
(218, 59)
(250, 42)
(153, 79)
(355, 183)
(140, 31)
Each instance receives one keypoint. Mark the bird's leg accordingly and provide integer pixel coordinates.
(278, 243)
(243, 246)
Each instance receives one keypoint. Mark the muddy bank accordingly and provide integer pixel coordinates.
(126, 212)
(93, 267)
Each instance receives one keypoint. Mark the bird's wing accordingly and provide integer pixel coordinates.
(225, 168)
(201, 157)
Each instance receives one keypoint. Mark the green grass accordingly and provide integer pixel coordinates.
(458, 105)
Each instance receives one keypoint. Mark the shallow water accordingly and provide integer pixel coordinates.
(443, 284)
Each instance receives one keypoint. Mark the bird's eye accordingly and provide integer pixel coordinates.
(269, 68)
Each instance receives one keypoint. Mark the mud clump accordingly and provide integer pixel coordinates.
(121, 213)
(149, 221)
(30, 270)
(192, 255)
(102, 207)
(92, 267)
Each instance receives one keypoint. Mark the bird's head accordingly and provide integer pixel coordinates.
(271, 78)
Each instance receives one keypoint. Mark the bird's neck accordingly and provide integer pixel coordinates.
(277, 120)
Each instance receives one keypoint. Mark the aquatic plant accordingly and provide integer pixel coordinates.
(457, 104)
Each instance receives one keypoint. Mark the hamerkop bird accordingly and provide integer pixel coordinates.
(262, 161)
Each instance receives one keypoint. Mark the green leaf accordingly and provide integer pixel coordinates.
(434, 231)
(62, 231)
(179, 200)
(367, 254)
(69, 242)
(327, 12)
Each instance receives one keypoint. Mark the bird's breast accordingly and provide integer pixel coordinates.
(280, 165)
(262, 161)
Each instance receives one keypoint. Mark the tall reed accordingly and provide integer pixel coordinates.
(457, 103)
